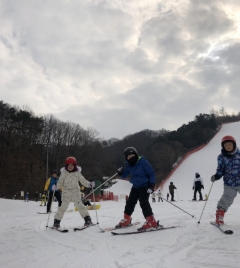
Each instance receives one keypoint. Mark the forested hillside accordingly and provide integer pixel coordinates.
(32, 146)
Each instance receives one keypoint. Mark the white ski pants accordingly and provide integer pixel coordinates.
(71, 196)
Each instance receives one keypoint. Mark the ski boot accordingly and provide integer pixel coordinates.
(56, 223)
(88, 221)
(220, 216)
(126, 221)
(149, 224)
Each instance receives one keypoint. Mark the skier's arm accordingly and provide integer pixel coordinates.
(220, 169)
(83, 181)
(47, 184)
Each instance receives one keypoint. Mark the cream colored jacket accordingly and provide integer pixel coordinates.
(69, 181)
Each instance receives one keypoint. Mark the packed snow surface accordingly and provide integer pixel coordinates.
(25, 241)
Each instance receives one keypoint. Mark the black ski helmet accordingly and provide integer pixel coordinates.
(54, 172)
(130, 150)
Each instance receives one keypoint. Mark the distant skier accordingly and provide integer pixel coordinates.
(2, 195)
(159, 194)
(36, 196)
(43, 200)
(229, 169)
(26, 197)
(143, 180)
(153, 197)
(197, 186)
(167, 196)
(69, 181)
(171, 190)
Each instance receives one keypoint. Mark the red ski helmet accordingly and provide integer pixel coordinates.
(228, 138)
(71, 160)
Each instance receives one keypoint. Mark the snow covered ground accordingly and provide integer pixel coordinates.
(25, 242)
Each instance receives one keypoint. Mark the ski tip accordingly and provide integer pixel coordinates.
(229, 232)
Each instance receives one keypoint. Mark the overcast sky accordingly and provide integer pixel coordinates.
(121, 66)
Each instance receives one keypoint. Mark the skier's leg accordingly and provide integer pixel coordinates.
(195, 193)
(227, 198)
(78, 203)
(50, 196)
(147, 210)
(132, 201)
(66, 199)
(144, 202)
(200, 194)
(59, 198)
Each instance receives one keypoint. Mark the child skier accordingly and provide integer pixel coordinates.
(197, 186)
(229, 169)
(153, 197)
(69, 182)
(143, 180)
(159, 194)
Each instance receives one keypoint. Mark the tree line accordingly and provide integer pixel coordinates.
(32, 146)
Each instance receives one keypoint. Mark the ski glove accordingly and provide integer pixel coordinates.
(150, 189)
(203, 186)
(213, 178)
(120, 171)
(92, 184)
(54, 187)
(193, 188)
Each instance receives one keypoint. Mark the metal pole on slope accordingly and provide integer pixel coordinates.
(50, 209)
(100, 185)
(95, 205)
(179, 208)
(177, 194)
(205, 203)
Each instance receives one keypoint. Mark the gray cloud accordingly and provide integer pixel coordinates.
(120, 66)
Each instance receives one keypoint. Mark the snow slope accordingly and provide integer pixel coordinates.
(26, 243)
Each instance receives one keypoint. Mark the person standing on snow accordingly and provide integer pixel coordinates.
(143, 183)
(27, 197)
(153, 197)
(197, 186)
(48, 187)
(69, 182)
(159, 194)
(229, 169)
(171, 190)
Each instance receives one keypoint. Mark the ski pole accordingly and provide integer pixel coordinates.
(178, 208)
(50, 209)
(100, 186)
(177, 195)
(205, 203)
(95, 205)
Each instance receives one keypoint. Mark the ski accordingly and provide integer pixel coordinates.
(71, 210)
(59, 230)
(114, 228)
(160, 228)
(84, 227)
(229, 232)
(196, 200)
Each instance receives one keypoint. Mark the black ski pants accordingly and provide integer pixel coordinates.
(195, 193)
(172, 196)
(141, 195)
(50, 198)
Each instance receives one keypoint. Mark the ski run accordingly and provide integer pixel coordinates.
(26, 243)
